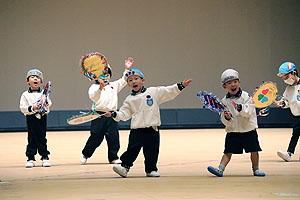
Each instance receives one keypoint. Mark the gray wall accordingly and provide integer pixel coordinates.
(170, 40)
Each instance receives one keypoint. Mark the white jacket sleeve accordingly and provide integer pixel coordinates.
(225, 121)
(248, 107)
(94, 92)
(24, 106)
(124, 113)
(121, 83)
(167, 93)
(285, 101)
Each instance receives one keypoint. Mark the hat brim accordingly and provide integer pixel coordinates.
(281, 74)
(230, 79)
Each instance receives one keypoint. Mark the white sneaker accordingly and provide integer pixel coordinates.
(286, 156)
(117, 161)
(30, 164)
(46, 163)
(153, 174)
(83, 160)
(122, 171)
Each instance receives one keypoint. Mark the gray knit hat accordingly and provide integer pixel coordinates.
(229, 74)
(35, 72)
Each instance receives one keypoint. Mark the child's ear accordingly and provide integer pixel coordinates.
(223, 85)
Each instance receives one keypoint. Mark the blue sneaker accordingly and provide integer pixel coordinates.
(215, 171)
(259, 173)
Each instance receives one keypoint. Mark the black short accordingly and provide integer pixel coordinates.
(236, 142)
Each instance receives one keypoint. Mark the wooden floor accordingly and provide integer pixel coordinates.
(183, 161)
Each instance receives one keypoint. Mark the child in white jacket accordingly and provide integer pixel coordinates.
(291, 99)
(104, 95)
(36, 124)
(240, 122)
(142, 106)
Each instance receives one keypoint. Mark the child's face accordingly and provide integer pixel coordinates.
(107, 80)
(34, 82)
(286, 76)
(135, 82)
(232, 86)
(290, 78)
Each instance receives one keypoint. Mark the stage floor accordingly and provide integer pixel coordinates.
(183, 161)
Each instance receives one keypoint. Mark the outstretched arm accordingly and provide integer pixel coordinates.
(128, 63)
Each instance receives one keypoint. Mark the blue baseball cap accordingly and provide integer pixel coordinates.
(132, 72)
(286, 68)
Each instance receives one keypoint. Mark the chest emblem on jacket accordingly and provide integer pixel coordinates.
(298, 95)
(149, 100)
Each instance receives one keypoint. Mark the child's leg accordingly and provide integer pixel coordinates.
(97, 131)
(151, 149)
(293, 142)
(286, 156)
(225, 159)
(223, 163)
(254, 159)
(231, 145)
(295, 135)
(31, 148)
(133, 149)
(41, 138)
(112, 139)
(132, 152)
(255, 164)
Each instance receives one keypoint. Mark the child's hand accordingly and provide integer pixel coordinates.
(227, 115)
(101, 85)
(186, 83)
(279, 103)
(238, 107)
(128, 63)
(35, 107)
(234, 105)
(107, 114)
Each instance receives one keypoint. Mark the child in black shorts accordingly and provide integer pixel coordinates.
(240, 122)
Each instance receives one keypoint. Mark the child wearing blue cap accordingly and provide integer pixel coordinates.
(142, 106)
(36, 124)
(291, 99)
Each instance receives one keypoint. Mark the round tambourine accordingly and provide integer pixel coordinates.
(94, 66)
(265, 95)
(82, 118)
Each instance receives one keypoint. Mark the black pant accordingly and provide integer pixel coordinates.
(295, 135)
(36, 137)
(100, 127)
(147, 138)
